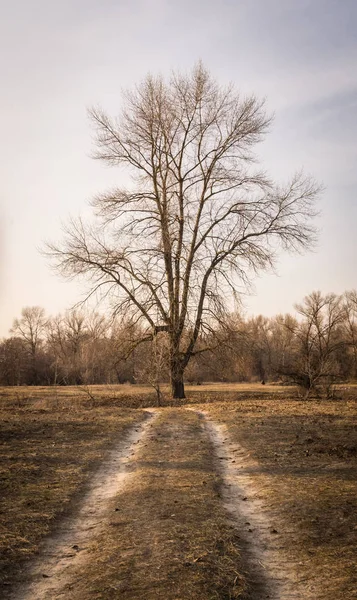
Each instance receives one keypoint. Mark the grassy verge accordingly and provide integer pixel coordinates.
(308, 457)
(168, 536)
(47, 453)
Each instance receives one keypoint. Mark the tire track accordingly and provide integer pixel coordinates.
(269, 572)
(63, 553)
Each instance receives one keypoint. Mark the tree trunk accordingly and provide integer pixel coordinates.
(177, 368)
(176, 376)
(177, 387)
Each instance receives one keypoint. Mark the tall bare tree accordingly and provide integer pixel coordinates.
(199, 218)
(318, 339)
(31, 328)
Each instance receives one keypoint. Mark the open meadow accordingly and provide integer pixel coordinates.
(239, 491)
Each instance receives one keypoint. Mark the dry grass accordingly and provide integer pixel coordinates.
(168, 537)
(307, 452)
(78, 397)
(47, 453)
(144, 396)
(51, 439)
(133, 396)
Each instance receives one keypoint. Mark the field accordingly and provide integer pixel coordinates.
(240, 491)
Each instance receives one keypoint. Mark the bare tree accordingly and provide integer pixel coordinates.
(259, 336)
(154, 366)
(13, 361)
(199, 219)
(282, 329)
(31, 327)
(67, 337)
(319, 338)
(350, 303)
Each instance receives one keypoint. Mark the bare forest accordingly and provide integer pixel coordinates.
(314, 348)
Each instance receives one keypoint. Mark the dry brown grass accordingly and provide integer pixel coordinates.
(307, 452)
(133, 396)
(47, 453)
(51, 439)
(77, 397)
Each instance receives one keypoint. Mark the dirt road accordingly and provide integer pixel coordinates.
(174, 513)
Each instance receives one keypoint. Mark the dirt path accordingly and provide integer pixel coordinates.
(64, 553)
(270, 573)
(154, 524)
(168, 537)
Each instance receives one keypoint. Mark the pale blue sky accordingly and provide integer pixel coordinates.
(57, 59)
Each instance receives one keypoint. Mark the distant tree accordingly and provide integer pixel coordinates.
(125, 351)
(76, 336)
(153, 365)
(31, 328)
(350, 323)
(78, 344)
(318, 340)
(14, 361)
(229, 358)
(95, 353)
(282, 340)
(259, 339)
(198, 220)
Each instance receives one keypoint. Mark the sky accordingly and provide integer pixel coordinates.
(59, 58)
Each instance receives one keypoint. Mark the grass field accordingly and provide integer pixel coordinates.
(51, 440)
(134, 396)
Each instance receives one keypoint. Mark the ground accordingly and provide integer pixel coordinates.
(213, 494)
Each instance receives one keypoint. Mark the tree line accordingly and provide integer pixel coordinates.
(314, 348)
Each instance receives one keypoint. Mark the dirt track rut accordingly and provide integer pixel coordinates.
(269, 572)
(63, 553)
